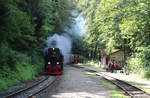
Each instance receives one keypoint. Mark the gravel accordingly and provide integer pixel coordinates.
(75, 84)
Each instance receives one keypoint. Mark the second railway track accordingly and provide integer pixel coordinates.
(132, 91)
(34, 89)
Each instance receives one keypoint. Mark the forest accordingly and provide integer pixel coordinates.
(119, 24)
(111, 24)
(24, 28)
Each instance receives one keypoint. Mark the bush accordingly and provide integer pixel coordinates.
(17, 67)
(147, 75)
(139, 63)
(93, 63)
(36, 59)
(134, 65)
(10, 58)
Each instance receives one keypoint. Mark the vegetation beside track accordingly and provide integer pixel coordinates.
(119, 24)
(94, 64)
(18, 67)
(24, 28)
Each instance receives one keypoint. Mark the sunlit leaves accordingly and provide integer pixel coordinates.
(122, 23)
(121, 19)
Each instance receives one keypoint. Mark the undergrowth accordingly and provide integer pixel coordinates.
(17, 67)
(92, 63)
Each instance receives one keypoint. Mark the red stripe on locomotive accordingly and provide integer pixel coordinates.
(53, 69)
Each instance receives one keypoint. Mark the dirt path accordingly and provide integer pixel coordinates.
(75, 84)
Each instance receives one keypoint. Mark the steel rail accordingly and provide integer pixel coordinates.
(32, 96)
(129, 89)
(24, 90)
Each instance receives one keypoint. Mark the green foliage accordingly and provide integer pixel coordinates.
(121, 24)
(24, 27)
(135, 65)
(9, 77)
(9, 57)
(79, 46)
(15, 67)
(93, 63)
(146, 56)
(56, 15)
(47, 7)
(139, 63)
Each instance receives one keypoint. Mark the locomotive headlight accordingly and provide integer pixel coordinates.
(49, 62)
(57, 62)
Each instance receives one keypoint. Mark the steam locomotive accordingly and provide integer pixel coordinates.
(53, 61)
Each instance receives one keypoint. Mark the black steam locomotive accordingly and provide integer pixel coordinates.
(53, 61)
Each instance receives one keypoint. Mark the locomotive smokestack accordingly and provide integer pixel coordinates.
(61, 42)
(53, 44)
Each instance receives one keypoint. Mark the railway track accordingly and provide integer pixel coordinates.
(132, 91)
(32, 90)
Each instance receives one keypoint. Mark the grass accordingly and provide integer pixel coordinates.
(113, 89)
(17, 67)
(97, 66)
(16, 77)
(94, 64)
(79, 64)
(24, 71)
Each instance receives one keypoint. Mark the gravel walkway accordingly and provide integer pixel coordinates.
(75, 84)
(133, 79)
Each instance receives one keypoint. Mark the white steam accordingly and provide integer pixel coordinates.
(79, 27)
(63, 43)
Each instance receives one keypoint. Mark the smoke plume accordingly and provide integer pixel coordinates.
(63, 43)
